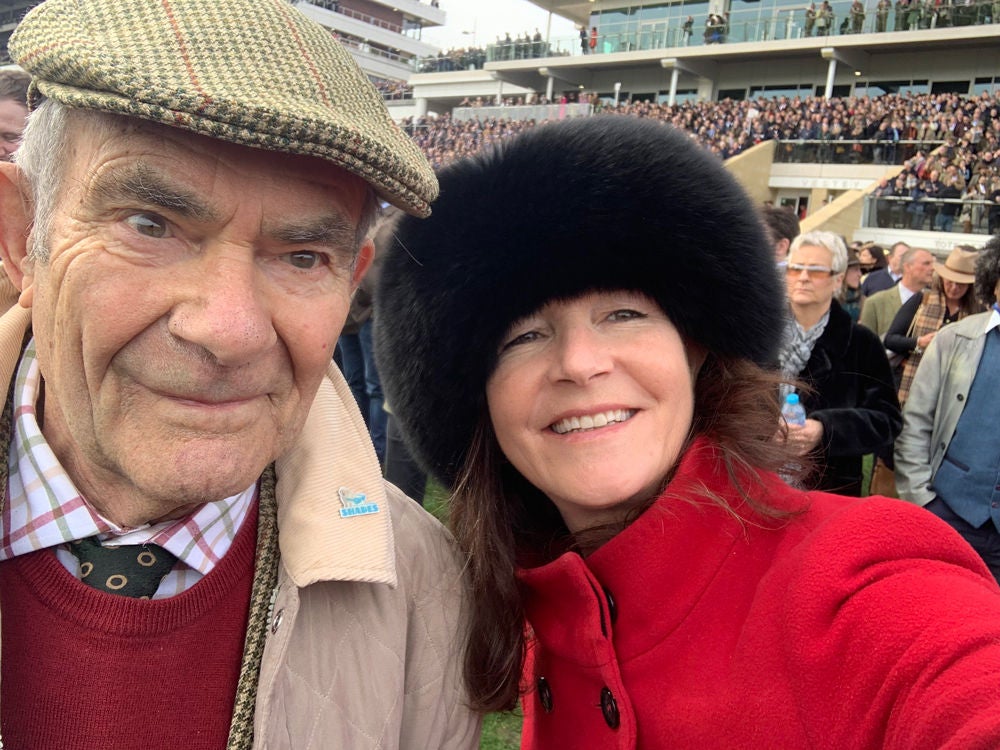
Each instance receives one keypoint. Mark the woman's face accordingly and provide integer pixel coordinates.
(852, 277)
(809, 278)
(954, 290)
(592, 400)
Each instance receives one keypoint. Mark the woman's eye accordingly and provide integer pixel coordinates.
(149, 225)
(522, 338)
(626, 315)
(305, 260)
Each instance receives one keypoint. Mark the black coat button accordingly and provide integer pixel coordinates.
(609, 708)
(544, 694)
(612, 607)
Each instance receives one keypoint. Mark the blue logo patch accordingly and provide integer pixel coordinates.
(354, 504)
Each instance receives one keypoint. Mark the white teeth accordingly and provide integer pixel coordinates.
(592, 421)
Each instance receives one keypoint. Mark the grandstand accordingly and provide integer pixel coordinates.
(896, 58)
(384, 36)
(11, 12)
(902, 94)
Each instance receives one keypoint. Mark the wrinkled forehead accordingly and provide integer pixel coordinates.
(102, 147)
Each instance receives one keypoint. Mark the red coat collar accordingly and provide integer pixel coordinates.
(656, 569)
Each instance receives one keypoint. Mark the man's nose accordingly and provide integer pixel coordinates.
(226, 310)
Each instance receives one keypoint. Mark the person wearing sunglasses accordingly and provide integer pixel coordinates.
(850, 400)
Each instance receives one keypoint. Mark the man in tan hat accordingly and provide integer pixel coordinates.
(197, 549)
(947, 456)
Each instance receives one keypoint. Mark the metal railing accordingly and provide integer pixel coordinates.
(823, 151)
(536, 112)
(931, 214)
(757, 24)
(334, 5)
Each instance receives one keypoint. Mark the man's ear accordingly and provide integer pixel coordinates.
(362, 263)
(15, 226)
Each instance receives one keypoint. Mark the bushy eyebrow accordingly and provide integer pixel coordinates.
(138, 182)
(332, 230)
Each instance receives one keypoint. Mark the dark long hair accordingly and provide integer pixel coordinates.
(501, 521)
(968, 303)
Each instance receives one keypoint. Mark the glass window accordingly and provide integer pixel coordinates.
(950, 87)
(878, 88)
(683, 95)
(986, 86)
(772, 92)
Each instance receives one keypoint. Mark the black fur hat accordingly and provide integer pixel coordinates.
(600, 203)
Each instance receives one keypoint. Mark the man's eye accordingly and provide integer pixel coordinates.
(149, 225)
(305, 259)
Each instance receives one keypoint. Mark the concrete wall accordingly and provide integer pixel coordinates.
(752, 169)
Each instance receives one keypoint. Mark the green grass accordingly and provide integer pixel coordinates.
(500, 731)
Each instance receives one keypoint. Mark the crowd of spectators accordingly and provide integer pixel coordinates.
(465, 58)
(946, 143)
(391, 89)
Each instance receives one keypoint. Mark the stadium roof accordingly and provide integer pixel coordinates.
(577, 11)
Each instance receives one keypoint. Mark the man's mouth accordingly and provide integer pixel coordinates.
(592, 421)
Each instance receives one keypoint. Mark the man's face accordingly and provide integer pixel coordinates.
(12, 117)
(896, 258)
(919, 272)
(189, 308)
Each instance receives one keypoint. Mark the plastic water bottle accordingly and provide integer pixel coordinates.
(792, 410)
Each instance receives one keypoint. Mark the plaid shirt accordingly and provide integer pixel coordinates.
(44, 508)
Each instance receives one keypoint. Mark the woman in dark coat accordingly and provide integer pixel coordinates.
(850, 403)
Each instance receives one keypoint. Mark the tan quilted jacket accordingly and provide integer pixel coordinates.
(363, 645)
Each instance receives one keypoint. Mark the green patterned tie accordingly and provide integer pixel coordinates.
(133, 570)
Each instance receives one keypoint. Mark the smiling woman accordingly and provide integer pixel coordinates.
(579, 344)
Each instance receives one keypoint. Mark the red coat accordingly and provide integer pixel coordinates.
(854, 624)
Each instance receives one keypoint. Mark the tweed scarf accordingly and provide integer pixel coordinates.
(928, 317)
(264, 581)
(797, 349)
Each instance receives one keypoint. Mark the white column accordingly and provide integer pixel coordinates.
(831, 72)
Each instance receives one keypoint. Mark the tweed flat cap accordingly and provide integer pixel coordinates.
(253, 72)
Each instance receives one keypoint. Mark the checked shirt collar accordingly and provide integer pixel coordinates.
(45, 509)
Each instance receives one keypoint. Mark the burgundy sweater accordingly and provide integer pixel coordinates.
(854, 624)
(86, 669)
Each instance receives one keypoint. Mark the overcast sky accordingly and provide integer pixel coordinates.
(489, 19)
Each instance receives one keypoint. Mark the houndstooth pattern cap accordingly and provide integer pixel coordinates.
(253, 72)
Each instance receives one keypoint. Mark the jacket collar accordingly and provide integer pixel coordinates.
(832, 345)
(332, 452)
(657, 569)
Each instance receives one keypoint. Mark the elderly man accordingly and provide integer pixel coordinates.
(186, 223)
(878, 311)
(947, 456)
